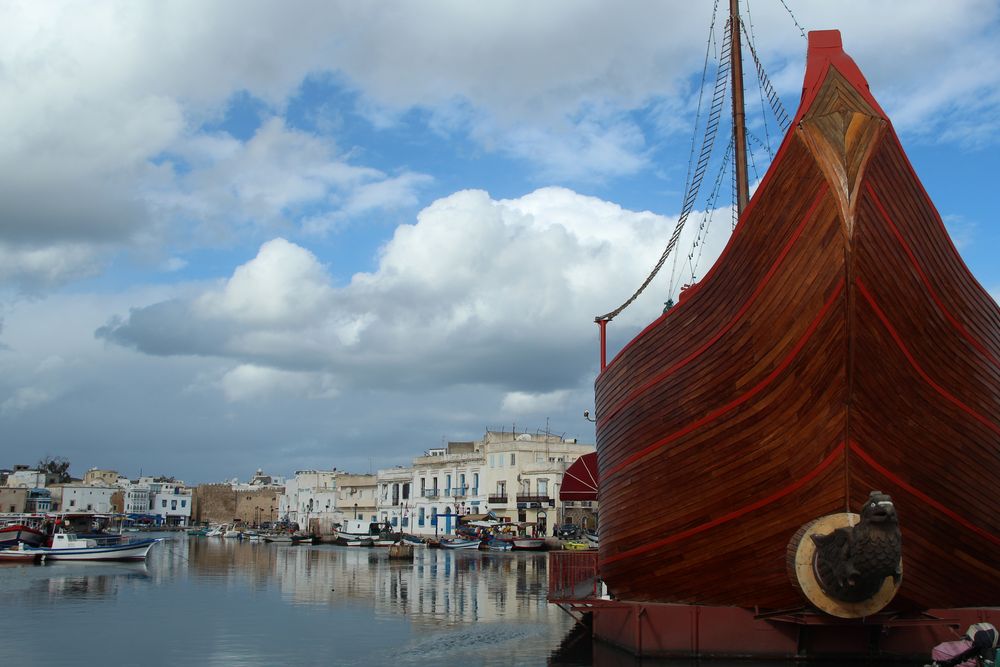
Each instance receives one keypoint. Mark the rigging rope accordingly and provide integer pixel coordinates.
(772, 96)
(694, 185)
(760, 86)
(706, 222)
(794, 20)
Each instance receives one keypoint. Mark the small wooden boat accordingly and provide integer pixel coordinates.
(67, 546)
(460, 543)
(529, 543)
(278, 537)
(412, 539)
(498, 544)
(576, 545)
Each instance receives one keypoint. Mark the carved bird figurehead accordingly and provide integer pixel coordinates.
(879, 510)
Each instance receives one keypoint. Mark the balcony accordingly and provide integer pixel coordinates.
(432, 493)
(460, 491)
(529, 498)
(495, 498)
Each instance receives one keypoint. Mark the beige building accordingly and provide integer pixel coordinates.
(516, 476)
(522, 475)
(13, 500)
(97, 477)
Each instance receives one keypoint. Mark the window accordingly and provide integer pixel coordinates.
(539, 457)
(475, 483)
(421, 517)
(543, 487)
(501, 488)
(173, 504)
(72, 503)
(395, 520)
(512, 458)
(434, 516)
(447, 485)
(406, 491)
(164, 501)
(406, 522)
(184, 503)
(493, 463)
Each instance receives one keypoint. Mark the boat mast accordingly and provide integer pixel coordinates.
(739, 117)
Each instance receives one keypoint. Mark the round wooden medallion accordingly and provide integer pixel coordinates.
(801, 559)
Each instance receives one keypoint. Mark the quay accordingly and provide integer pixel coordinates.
(659, 630)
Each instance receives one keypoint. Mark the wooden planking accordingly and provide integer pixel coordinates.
(911, 370)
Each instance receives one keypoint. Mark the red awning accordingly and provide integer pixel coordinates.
(580, 479)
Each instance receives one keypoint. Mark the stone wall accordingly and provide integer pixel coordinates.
(258, 506)
(213, 503)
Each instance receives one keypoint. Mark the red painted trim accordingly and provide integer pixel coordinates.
(913, 362)
(715, 414)
(920, 495)
(825, 51)
(636, 393)
(735, 514)
(923, 277)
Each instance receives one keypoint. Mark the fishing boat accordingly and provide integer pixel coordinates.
(18, 533)
(838, 347)
(67, 546)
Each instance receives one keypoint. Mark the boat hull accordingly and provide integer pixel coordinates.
(529, 544)
(135, 551)
(460, 544)
(838, 346)
(11, 536)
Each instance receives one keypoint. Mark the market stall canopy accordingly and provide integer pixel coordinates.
(580, 479)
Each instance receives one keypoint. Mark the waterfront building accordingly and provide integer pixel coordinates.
(523, 473)
(447, 484)
(80, 497)
(356, 497)
(516, 476)
(394, 503)
(136, 500)
(310, 499)
(13, 500)
(38, 501)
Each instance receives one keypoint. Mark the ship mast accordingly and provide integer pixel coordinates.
(739, 117)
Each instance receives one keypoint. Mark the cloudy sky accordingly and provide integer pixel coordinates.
(288, 235)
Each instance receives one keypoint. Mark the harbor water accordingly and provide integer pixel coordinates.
(212, 601)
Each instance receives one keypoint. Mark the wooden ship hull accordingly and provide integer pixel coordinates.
(838, 346)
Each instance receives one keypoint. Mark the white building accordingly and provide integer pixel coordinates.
(515, 476)
(447, 484)
(394, 497)
(310, 498)
(136, 500)
(26, 479)
(169, 499)
(78, 497)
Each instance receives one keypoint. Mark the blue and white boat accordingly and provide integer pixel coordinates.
(67, 546)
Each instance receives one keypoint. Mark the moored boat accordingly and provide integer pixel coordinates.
(67, 546)
(18, 533)
(529, 543)
(459, 543)
(18, 554)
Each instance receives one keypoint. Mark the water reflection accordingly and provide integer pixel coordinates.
(257, 603)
